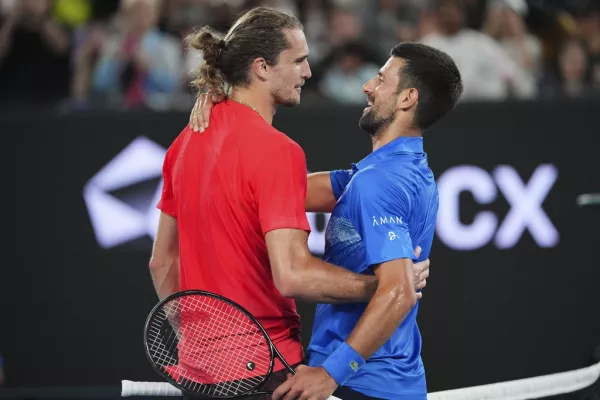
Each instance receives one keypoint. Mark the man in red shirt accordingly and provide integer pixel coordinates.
(233, 218)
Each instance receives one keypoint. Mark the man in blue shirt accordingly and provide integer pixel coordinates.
(382, 208)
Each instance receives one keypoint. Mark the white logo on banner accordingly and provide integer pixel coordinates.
(525, 200)
(116, 222)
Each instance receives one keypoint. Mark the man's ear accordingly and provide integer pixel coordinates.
(260, 68)
(408, 98)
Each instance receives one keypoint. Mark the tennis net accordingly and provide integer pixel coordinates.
(580, 384)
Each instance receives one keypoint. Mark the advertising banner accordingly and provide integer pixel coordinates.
(515, 281)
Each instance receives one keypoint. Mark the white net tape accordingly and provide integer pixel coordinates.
(129, 388)
(522, 389)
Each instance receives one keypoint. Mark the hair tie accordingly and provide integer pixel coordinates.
(221, 47)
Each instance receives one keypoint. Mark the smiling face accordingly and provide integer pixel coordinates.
(382, 97)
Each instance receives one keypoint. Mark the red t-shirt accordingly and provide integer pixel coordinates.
(228, 187)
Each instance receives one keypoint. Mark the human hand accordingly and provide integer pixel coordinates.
(421, 273)
(308, 383)
(201, 112)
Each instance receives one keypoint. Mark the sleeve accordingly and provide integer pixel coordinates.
(280, 186)
(339, 180)
(167, 203)
(382, 214)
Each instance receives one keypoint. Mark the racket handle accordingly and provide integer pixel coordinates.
(129, 388)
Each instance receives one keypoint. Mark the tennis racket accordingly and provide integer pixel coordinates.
(209, 346)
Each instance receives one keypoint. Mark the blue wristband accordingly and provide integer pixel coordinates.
(343, 363)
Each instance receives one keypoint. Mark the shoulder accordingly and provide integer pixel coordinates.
(375, 182)
(177, 142)
(266, 141)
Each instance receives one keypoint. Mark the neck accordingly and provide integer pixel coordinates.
(393, 132)
(260, 101)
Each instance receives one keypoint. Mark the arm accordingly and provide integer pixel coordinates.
(319, 196)
(280, 195)
(392, 263)
(389, 306)
(392, 301)
(298, 274)
(164, 263)
(279, 186)
(325, 188)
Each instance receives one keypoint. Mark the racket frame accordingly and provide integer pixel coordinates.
(272, 349)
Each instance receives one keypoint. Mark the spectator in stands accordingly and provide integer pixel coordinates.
(88, 42)
(572, 72)
(139, 66)
(345, 26)
(316, 30)
(180, 15)
(505, 23)
(290, 6)
(588, 22)
(488, 72)
(394, 20)
(33, 55)
(343, 81)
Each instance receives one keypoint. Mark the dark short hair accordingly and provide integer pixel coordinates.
(227, 59)
(436, 77)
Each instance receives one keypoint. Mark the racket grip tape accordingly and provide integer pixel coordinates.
(129, 388)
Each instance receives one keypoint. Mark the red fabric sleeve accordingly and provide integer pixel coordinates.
(280, 189)
(167, 203)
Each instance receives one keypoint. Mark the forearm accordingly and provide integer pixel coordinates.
(384, 314)
(321, 282)
(165, 277)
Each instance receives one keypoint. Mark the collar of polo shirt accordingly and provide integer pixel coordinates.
(402, 144)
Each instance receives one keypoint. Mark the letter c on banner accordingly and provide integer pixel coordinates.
(451, 231)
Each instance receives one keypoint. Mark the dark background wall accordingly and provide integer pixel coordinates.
(74, 305)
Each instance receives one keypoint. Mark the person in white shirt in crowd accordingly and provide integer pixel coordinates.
(487, 70)
(505, 23)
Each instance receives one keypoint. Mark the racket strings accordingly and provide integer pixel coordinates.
(209, 346)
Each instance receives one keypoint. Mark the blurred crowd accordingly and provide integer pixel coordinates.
(77, 55)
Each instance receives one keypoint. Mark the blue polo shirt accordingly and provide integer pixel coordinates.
(386, 206)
